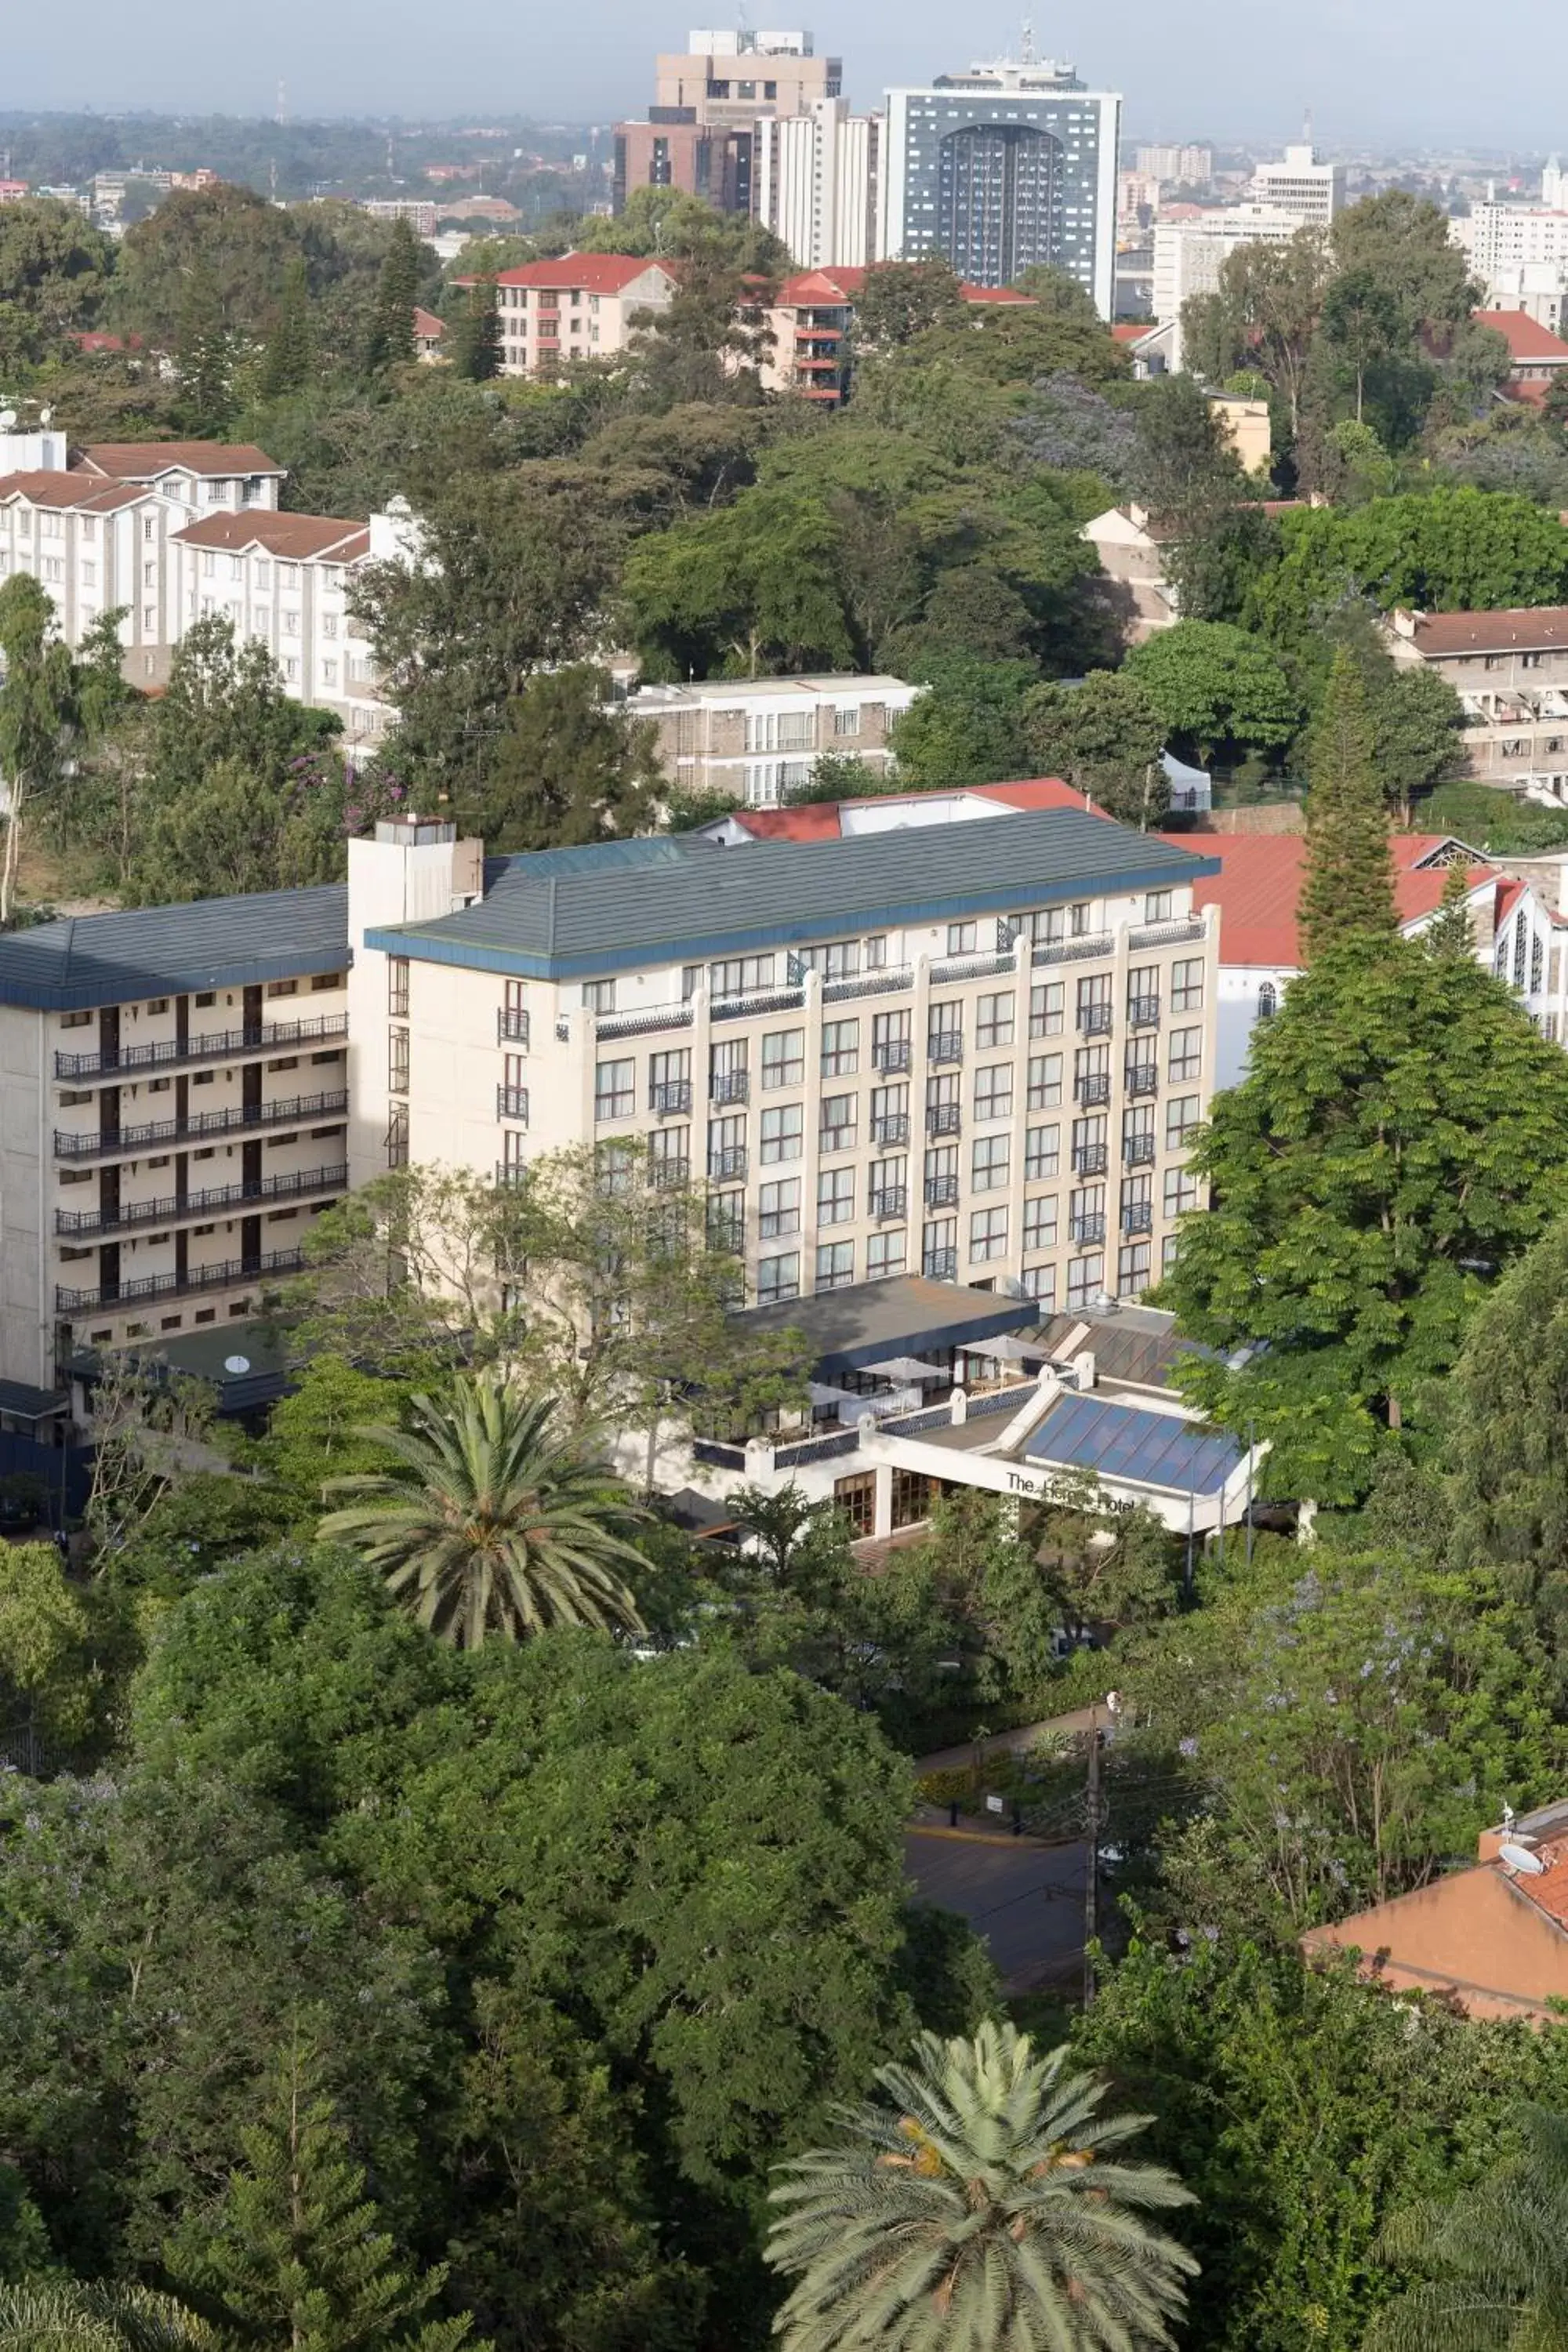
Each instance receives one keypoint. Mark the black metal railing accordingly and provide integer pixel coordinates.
(945, 1046)
(892, 1127)
(940, 1266)
(940, 1192)
(227, 1275)
(725, 1166)
(1138, 1217)
(731, 1086)
(1095, 1020)
(511, 1027)
(1143, 1078)
(943, 1118)
(1095, 943)
(669, 1175)
(1090, 1159)
(1166, 935)
(103, 1144)
(670, 1096)
(892, 1054)
(222, 1046)
(213, 1202)
(611, 1026)
(1086, 1229)
(1137, 1151)
(511, 1102)
(1143, 1012)
(893, 1201)
(509, 1171)
(1096, 1088)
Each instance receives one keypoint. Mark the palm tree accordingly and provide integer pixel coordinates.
(60, 2315)
(1500, 2255)
(492, 1522)
(980, 2207)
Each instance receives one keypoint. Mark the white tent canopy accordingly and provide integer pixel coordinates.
(908, 1368)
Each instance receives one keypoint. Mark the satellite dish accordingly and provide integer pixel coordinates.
(236, 1363)
(7, 419)
(45, 417)
(1520, 1858)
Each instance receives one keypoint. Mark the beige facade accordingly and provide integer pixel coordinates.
(579, 308)
(758, 737)
(733, 77)
(1132, 553)
(1510, 672)
(1006, 1104)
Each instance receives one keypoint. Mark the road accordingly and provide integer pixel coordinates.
(1015, 1743)
(1026, 1899)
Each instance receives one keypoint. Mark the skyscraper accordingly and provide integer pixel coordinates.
(1001, 167)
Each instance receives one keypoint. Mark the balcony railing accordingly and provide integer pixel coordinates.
(940, 1192)
(1166, 935)
(1095, 1088)
(1143, 1012)
(1086, 1229)
(940, 1266)
(669, 1175)
(893, 1201)
(227, 1275)
(1090, 1159)
(511, 1027)
(100, 1144)
(731, 1086)
(135, 1214)
(222, 1046)
(892, 1054)
(511, 1102)
(669, 1097)
(637, 1025)
(892, 1129)
(1096, 943)
(1143, 1078)
(945, 1046)
(1095, 1020)
(1137, 1151)
(971, 967)
(726, 1167)
(1138, 1217)
(509, 1172)
(891, 982)
(744, 1008)
(943, 1118)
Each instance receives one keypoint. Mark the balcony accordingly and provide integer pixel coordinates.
(894, 1053)
(670, 1098)
(731, 1086)
(510, 1173)
(940, 1266)
(669, 1175)
(1167, 935)
(222, 1046)
(1095, 1020)
(635, 1024)
(1143, 1012)
(727, 1167)
(1086, 1229)
(511, 1028)
(1138, 1217)
(1090, 1159)
(941, 1192)
(943, 1118)
(227, 1275)
(511, 1102)
(893, 1128)
(890, 981)
(892, 1202)
(746, 1008)
(1137, 1151)
(1096, 1088)
(972, 967)
(945, 1046)
(127, 1142)
(1094, 943)
(1143, 1078)
(220, 1200)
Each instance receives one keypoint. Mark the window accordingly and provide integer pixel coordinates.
(836, 1197)
(670, 1155)
(670, 1081)
(779, 1210)
(778, 1277)
(840, 1121)
(1181, 1192)
(839, 959)
(840, 1048)
(397, 1137)
(88, 575)
(911, 1497)
(885, 1254)
(1187, 984)
(397, 987)
(783, 1058)
(727, 1146)
(987, 1236)
(727, 1223)
(1182, 1118)
(1042, 1153)
(993, 1021)
(1133, 1268)
(939, 1250)
(263, 573)
(945, 1032)
(855, 1497)
(961, 939)
(783, 1129)
(1157, 906)
(994, 1091)
(1186, 1054)
(991, 1170)
(835, 1264)
(396, 1062)
(739, 975)
(1085, 1279)
(149, 620)
(1039, 1283)
(847, 719)
(1044, 1081)
(598, 996)
(1268, 1001)
(615, 1089)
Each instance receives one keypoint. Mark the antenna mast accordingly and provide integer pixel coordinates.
(1027, 54)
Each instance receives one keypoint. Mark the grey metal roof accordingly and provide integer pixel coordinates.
(123, 958)
(848, 1330)
(1118, 1440)
(594, 910)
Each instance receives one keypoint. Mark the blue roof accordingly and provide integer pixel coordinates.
(83, 960)
(1149, 1449)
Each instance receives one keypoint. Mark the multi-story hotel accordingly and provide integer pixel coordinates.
(173, 1107)
(758, 737)
(974, 1052)
(580, 307)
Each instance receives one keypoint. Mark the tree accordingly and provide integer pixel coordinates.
(1446, 549)
(229, 235)
(477, 345)
(1395, 1143)
(390, 341)
(968, 727)
(204, 356)
(745, 590)
(710, 340)
(295, 2247)
(1402, 245)
(571, 765)
(144, 1427)
(1347, 887)
(1266, 314)
(53, 2314)
(1106, 737)
(54, 271)
(1215, 688)
(314, 1433)
(288, 360)
(38, 713)
(1502, 2275)
(1451, 931)
(1507, 1417)
(985, 2199)
(1361, 326)
(493, 1520)
(898, 300)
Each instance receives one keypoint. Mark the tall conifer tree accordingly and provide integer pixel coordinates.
(1450, 933)
(477, 346)
(390, 341)
(290, 349)
(1348, 889)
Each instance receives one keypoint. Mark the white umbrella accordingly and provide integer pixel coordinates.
(820, 1393)
(908, 1368)
(1006, 1348)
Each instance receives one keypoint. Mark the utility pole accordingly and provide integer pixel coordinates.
(1091, 1866)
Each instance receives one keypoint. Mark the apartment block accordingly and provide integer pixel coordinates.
(1187, 166)
(728, 76)
(1190, 254)
(818, 184)
(174, 1108)
(1311, 191)
(810, 321)
(1509, 671)
(757, 738)
(974, 1052)
(578, 308)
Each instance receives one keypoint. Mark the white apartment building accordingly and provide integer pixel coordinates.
(816, 183)
(1300, 185)
(1187, 166)
(173, 1109)
(1520, 253)
(1189, 256)
(977, 1052)
(1510, 671)
(759, 736)
(579, 308)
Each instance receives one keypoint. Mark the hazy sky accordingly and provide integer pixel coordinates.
(1405, 71)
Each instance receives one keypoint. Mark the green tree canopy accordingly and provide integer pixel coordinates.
(968, 727)
(1217, 688)
(1106, 737)
(1347, 886)
(571, 765)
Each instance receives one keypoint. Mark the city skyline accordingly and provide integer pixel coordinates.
(1384, 73)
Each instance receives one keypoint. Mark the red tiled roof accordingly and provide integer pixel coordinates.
(1033, 792)
(842, 284)
(80, 493)
(1529, 628)
(295, 536)
(814, 821)
(427, 324)
(819, 820)
(1525, 336)
(143, 461)
(93, 340)
(596, 273)
(1259, 884)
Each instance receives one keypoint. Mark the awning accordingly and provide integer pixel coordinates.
(909, 1369)
(1006, 1347)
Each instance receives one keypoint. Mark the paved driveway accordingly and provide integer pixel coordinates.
(1025, 1898)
